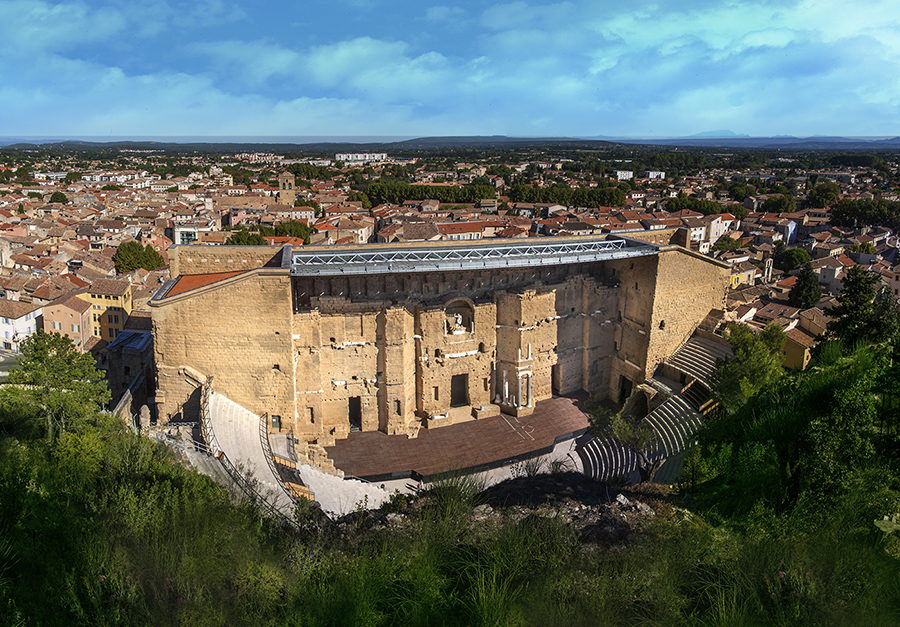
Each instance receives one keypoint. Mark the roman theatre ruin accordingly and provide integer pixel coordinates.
(324, 341)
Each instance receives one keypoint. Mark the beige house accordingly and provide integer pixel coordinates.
(111, 304)
(69, 315)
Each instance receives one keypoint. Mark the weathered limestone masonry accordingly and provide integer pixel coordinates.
(396, 351)
(209, 259)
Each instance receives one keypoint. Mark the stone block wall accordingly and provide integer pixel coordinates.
(198, 259)
(393, 352)
(689, 286)
(238, 331)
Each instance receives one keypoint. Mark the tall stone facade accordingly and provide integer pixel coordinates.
(394, 352)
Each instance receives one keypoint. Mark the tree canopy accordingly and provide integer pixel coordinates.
(726, 243)
(246, 238)
(692, 203)
(858, 213)
(858, 317)
(866, 248)
(791, 259)
(59, 197)
(58, 380)
(131, 256)
(396, 192)
(823, 194)
(806, 291)
(756, 363)
(779, 204)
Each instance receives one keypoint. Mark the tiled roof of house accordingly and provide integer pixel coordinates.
(114, 287)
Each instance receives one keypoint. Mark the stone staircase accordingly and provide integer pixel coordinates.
(674, 422)
(698, 356)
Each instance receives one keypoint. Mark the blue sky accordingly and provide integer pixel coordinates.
(368, 67)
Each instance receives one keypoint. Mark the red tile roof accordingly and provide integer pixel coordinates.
(190, 282)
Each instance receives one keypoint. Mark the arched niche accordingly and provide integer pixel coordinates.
(460, 317)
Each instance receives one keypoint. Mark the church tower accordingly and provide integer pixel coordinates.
(287, 192)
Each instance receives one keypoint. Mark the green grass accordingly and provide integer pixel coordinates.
(103, 527)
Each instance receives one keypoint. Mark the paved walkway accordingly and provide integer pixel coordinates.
(467, 445)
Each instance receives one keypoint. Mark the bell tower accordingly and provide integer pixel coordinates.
(287, 192)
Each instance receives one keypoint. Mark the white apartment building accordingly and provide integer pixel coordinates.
(18, 320)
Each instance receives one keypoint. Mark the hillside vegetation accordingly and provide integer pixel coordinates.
(774, 524)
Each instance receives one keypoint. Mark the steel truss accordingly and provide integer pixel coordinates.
(372, 259)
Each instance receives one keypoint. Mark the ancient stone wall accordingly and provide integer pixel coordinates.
(239, 331)
(688, 287)
(394, 352)
(198, 259)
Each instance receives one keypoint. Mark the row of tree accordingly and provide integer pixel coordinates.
(255, 234)
(562, 194)
(397, 192)
(859, 213)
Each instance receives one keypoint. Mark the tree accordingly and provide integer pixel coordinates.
(246, 238)
(792, 259)
(61, 382)
(131, 256)
(806, 291)
(823, 194)
(756, 364)
(355, 196)
(866, 248)
(854, 319)
(726, 243)
(59, 197)
(295, 228)
(779, 204)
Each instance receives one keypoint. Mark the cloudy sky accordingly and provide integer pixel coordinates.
(406, 68)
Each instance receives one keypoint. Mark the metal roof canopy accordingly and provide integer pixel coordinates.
(468, 255)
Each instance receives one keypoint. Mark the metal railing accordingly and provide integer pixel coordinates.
(267, 453)
(213, 448)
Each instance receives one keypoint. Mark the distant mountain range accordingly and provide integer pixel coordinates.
(709, 139)
(727, 139)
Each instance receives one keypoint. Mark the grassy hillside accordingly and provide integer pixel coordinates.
(773, 525)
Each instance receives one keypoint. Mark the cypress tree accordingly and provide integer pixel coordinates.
(806, 291)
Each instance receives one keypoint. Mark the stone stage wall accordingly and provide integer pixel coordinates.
(395, 352)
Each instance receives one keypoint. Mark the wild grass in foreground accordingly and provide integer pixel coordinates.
(102, 527)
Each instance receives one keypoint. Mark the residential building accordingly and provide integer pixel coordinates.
(70, 316)
(111, 304)
(18, 320)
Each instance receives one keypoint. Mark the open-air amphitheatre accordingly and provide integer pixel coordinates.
(399, 361)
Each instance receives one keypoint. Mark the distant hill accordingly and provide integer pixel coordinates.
(719, 134)
(708, 139)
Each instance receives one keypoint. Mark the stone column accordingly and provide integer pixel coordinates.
(519, 392)
(529, 390)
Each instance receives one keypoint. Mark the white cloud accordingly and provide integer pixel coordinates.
(253, 62)
(27, 26)
(561, 68)
(445, 15)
